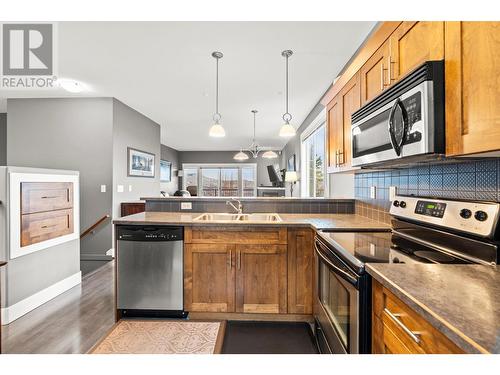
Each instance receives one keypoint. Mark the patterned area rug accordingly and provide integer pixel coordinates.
(160, 337)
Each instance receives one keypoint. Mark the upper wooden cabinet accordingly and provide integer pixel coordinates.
(339, 111)
(411, 45)
(472, 87)
(374, 74)
(472, 65)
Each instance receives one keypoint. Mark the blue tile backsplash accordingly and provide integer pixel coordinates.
(472, 179)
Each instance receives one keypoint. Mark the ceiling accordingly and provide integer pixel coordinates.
(165, 71)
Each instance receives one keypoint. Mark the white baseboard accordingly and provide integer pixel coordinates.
(11, 313)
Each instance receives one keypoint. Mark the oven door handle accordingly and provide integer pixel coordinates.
(336, 269)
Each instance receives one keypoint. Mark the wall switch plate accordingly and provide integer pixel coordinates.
(373, 192)
(103, 188)
(119, 188)
(186, 206)
(130, 188)
(392, 192)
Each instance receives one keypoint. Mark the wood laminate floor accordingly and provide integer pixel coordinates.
(70, 323)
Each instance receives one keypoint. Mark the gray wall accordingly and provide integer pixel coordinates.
(72, 134)
(3, 138)
(293, 146)
(227, 157)
(29, 274)
(132, 129)
(171, 155)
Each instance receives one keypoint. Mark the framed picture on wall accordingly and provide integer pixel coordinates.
(165, 171)
(291, 166)
(140, 163)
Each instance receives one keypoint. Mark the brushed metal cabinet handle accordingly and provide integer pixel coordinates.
(239, 259)
(230, 260)
(395, 317)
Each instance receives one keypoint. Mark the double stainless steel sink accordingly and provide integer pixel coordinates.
(238, 217)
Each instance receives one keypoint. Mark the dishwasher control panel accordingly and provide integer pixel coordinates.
(149, 233)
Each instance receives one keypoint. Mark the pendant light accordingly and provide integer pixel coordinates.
(216, 130)
(240, 156)
(254, 148)
(287, 130)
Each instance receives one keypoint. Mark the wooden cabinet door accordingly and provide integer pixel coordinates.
(261, 279)
(472, 87)
(412, 44)
(335, 131)
(300, 271)
(373, 74)
(209, 277)
(351, 102)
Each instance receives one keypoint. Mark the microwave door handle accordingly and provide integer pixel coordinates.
(398, 146)
(336, 269)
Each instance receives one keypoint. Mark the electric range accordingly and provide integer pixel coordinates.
(432, 231)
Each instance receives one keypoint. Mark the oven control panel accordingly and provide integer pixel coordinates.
(477, 218)
(435, 209)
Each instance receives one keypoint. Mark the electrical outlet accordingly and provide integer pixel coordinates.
(119, 188)
(373, 192)
(130, 188)
(373, 249)
(392, 192)
(186, 206)
(103, 188)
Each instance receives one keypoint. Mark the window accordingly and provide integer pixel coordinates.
(220, 180)
(314, 183)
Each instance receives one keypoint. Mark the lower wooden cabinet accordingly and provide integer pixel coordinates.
(209, 275)
(266, 270)
(300, 271)
(261, 279)
(397, 329)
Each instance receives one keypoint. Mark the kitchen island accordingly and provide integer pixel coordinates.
(462, 302)
(249, 270)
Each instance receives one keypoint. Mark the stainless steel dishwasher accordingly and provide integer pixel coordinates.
(150, 271)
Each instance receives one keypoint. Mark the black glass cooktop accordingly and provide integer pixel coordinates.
(358, 248)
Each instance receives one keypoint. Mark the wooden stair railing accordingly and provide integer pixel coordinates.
(94, 226)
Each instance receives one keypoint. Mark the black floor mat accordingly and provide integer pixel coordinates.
(268, 338)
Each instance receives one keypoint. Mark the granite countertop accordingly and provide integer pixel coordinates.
(316, 221)
(461, 301)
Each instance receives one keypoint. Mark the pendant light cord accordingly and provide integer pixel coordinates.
(216, 86)
(287, 117)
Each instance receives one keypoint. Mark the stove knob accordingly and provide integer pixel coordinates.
(481, 215)
(395, 203)
(402, 204)
(465, 213)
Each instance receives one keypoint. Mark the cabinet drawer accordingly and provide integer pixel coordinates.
(45, 196)
(236, 235)
(414, 332)
(38, 227)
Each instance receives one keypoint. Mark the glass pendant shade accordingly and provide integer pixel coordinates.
(287, 130)
(217, 131)
(240, 156)
(270, 155)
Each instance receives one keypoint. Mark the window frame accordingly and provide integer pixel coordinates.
(220, 166)
(319, 121)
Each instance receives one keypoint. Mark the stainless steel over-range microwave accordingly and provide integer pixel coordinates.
(403, 123)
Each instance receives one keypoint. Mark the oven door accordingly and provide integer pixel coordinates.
(336, 303)
(400, 128)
